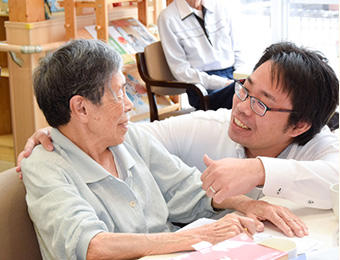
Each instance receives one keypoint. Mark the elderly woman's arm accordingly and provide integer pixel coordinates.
(126, 246)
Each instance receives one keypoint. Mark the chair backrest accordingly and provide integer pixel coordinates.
(156, 64)
(155, 72)
(17, 237)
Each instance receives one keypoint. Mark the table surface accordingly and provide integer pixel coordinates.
(322, 225)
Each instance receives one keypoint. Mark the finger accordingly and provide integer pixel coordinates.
(25, 153)
(223, 192)
(207, 171)
(281, 224)
(295, 224)
(295, 227)
(18, 169)
(210, 193)
(20, 157)
(28, 147)
(207, 180)
(301, 224)
(259, 225)
(233, 223)
(46, 142)
(220, 196)
(207, 160)
(248, 223)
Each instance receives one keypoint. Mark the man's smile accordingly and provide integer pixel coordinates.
(240, 124)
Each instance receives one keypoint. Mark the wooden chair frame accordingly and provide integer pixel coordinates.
(164, 87)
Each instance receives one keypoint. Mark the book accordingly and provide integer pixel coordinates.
(240, 247)
(127, 57)
(137, 95)
(134, 32)
(121, 40)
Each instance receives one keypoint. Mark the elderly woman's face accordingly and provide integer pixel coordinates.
(109, 121)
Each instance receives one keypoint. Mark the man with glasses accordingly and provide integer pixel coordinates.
(201, 43)
(275, 136)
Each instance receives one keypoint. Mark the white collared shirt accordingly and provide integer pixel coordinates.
(187, 49)
(301, 173)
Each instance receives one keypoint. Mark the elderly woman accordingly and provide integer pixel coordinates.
(108, 190)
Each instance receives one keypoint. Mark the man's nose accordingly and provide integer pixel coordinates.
(244, 106)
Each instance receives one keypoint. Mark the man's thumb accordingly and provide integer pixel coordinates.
(207, 160)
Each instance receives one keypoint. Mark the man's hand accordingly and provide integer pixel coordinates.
(260, 211)
(229, 177)
(280, 216)
(41, 136)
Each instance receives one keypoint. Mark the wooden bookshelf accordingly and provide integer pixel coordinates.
(26, 26)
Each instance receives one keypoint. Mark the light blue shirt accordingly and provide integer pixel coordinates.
(71, 198)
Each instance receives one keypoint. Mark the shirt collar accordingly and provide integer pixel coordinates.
(240, 151)
(87, 168)
(185, 9)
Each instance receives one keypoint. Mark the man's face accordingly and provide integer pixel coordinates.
(267, 135)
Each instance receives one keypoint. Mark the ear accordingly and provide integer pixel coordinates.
(300, 128)
(78, 107)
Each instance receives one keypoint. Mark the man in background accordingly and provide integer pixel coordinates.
(200, 43)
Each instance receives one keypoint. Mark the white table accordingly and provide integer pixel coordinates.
(322, 225)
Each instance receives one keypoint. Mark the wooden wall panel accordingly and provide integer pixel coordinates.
(26, 10)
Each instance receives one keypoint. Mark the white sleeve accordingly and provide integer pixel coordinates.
(179, 65)
(171, 132)
(306, 176)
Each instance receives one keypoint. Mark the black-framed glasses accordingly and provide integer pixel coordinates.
(256, 105)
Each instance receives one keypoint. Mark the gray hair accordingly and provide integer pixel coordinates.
(80, 67)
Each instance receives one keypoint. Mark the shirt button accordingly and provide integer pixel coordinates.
(132, 204)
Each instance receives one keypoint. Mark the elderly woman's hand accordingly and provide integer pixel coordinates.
(224, 228)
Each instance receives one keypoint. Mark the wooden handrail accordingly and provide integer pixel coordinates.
(29, 49)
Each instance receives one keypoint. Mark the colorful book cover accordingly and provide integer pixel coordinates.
(240, 247)
(121, 40)
(127, 58)
(137, 94)
(134, 33)
(54, 6)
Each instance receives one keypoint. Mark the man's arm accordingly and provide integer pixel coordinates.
(306, 169)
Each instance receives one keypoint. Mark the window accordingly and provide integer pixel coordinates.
(310, 23)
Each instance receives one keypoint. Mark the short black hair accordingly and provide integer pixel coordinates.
(309, 81)
(81, 67)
